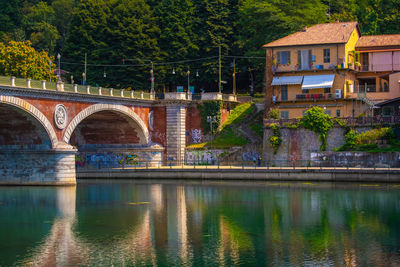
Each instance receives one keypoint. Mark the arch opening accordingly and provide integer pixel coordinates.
(107, 129)
(21, 130)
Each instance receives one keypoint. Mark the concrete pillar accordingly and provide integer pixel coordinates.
(28, 83)
(99, 89)
(152, 95)
(122, 92)
(12, 81)
(75, 88)
(176, 138)
(44, 85)
(88, 89)
(132, 93)
(111, 91)
(141, 95)
(60, 86)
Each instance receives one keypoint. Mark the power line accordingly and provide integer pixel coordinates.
(158, 64)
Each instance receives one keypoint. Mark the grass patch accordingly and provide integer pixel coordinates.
(226, 139)
(238, 114)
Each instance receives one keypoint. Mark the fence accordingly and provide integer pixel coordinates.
(351, 121)
(256, 164)
(72, 88)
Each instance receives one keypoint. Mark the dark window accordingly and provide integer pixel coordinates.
(305, 91)
(283, 57)
(385, 87)
(284, 92)
(365, 61)
(327, 55)
(327, 90)
(304, 59)
(284, 114)
(327, 111)
(387, 111)
(338, 113)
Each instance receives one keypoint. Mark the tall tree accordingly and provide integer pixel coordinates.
(109, 31)
(38, 22)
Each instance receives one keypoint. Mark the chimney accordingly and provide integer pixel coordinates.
(304, 29)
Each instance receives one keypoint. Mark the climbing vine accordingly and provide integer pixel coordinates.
(317, 121)
(275, 140)
(210, 108)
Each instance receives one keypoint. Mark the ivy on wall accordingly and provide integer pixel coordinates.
(210, 108)
(275, 140)
(317, 121)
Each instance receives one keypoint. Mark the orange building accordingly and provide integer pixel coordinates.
(324, 65)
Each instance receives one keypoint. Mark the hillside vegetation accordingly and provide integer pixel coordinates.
(124, 39)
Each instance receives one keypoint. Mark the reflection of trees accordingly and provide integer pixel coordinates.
(210, 225)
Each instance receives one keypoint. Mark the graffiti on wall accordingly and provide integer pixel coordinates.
(117, 160)
(197, 137)
(203, 156)
(250, 156)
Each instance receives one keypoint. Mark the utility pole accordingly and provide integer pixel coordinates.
(219, 62)
(85, 77)
(234, 76)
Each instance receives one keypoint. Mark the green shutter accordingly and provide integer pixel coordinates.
(299, 58)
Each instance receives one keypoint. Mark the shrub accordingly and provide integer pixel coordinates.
(317, 121)
(274, 114)
(275, 140)
(373, 135)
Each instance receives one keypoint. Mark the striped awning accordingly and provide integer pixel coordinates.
(288, 80)
(318, 81)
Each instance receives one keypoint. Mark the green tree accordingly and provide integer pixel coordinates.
(178, 38)
(109, 31)
(317, 121)
(38, 23)
(20, 59)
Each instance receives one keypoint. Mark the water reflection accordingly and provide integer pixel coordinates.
(224, 224)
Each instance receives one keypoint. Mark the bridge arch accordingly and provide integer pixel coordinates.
(34, 112)
(143, 133)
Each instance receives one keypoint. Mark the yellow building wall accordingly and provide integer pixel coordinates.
(351, 46)
(346, 107)
(337, 55)
(339, 83)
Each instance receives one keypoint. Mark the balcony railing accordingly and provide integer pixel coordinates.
(350, 121)
(362, 88)
(308, 97)
(381, 67)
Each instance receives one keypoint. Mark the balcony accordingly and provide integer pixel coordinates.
(369, 88)
(380, 67)
(309, 97)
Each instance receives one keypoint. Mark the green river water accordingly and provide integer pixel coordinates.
(177, 223)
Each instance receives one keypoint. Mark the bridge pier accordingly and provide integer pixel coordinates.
(35, 167)
(176, 130)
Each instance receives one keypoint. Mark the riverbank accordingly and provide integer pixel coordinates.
(249, 173)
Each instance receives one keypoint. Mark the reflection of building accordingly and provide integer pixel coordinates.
(331, 65)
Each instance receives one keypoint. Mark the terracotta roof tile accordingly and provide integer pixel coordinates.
(328, 33)
(378, 41)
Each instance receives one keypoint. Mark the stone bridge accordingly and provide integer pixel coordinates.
(44, 132)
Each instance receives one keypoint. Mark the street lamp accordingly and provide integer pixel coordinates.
(59, 73)
(211, 120)
(152, 77)
(83, 78)
(188, 75)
